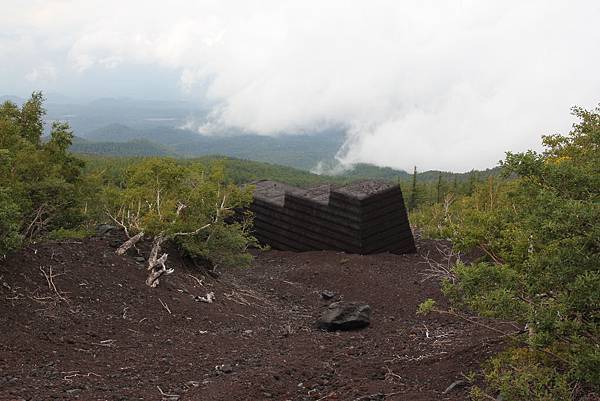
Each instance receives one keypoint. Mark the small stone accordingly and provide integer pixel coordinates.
(345, 316)
(226, 368)
(139, 259)
(326, 294)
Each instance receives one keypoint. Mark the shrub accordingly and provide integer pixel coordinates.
(188, 204)
(42, 178)
(66, 234)
(10, 222)
(540, 238)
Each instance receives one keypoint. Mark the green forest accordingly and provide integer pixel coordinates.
(533, 221)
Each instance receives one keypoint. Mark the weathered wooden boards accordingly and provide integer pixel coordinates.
(364, 217)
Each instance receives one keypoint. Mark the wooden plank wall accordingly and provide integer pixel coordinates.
(363, 218)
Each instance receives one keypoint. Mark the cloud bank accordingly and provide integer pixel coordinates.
(436, 84)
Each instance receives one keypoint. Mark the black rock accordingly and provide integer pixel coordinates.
(226, 368)
(326, 294)
(345, 316)
(102, 229)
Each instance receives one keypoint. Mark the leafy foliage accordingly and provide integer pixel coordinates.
(40, 183)
(540, 238)
(188, 203)
(10, 222)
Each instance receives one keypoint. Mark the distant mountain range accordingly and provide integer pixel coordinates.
(299, 151)
(129, 127)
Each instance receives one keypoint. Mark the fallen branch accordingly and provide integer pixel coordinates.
(173, 396)
(513, 335)
(165, 306)
(200, 282)
(50, 279)
(129, 243)
(209, 298)
(76, 373)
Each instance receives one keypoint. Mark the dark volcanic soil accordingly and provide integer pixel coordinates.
(103, 335)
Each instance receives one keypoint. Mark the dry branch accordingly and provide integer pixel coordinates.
(441, 270)
(166, 395)
(209, 298)
(165, 306)
(129, 243)
(50, 279)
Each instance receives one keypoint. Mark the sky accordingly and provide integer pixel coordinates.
(440, 84)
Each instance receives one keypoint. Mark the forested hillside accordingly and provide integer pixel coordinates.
(136, 147)
(300, 151)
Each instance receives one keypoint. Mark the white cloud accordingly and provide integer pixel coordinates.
(439, 84)
(44, 72)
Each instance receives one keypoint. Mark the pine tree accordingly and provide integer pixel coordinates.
(439, 189)
(412, 203)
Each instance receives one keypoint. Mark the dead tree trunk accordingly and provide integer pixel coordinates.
(156, 265)
(129, 243)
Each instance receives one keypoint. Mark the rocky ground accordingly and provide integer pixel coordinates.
(78, 322)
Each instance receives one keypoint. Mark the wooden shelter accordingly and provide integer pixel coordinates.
(364, 217)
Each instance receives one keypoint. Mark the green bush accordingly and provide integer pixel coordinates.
(524, 374)
(189, 204)
(66, 234)
(41, 177)
(539, 235)
(10, 223)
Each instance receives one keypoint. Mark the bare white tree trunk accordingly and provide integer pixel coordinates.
(156, 265)
(129, 243)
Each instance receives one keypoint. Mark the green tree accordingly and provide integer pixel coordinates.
(10, 223)
(185, 203)
(31, 118)
(40, 182)
(438, 188)
(541, 238)
(413, 200)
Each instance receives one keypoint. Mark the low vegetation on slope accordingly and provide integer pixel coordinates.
(540, 237)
